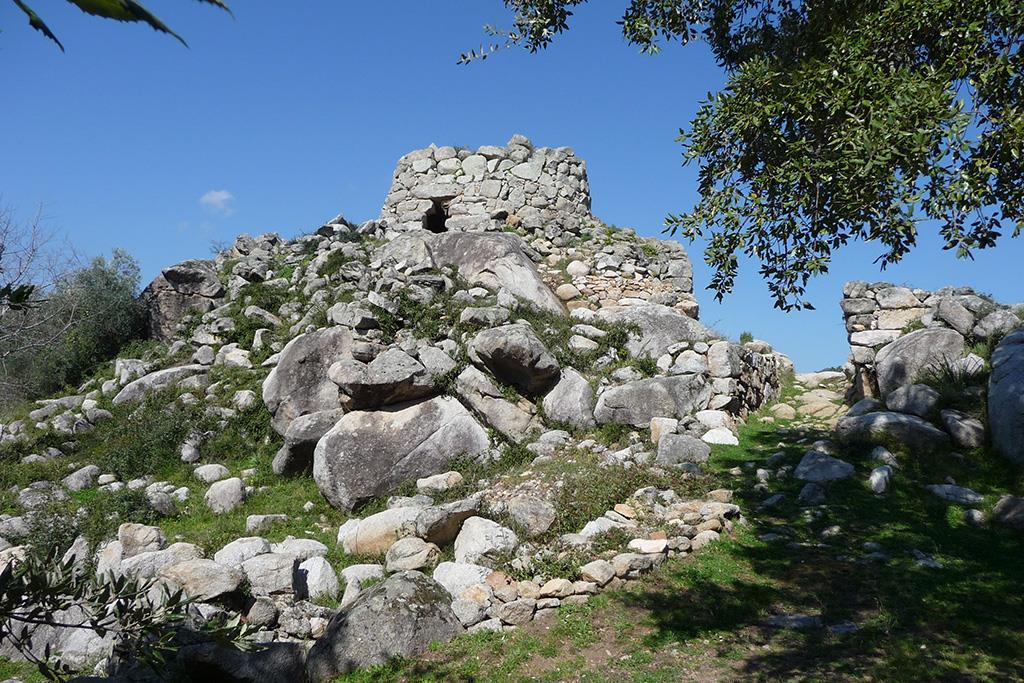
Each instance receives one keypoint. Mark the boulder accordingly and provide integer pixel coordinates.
(81, 478)
(887, 428)
(967, 431)
(192, 285)
(820, 468)
(241, 549)
(458, 577)
(482, 540)
(440, 524)
(914, 399)
(1009, 511)
(203, 580)
(316, 579)
(515, 355)
(411, 553)
(533, 515)
(270, 574)
(635, 403)
(299, 384)
(391, 377)
(368, 453)
(376, 533)
(211, 661)
(1006, 397)
(155, 381)
(494, 261)
(147, 565)
(659, 328)
(76, 647)
(571, 402)
(674, 449)
(400, 617)
(225, 496)
(355, 575)
(478, 392)
(296, 456)
(903, 361)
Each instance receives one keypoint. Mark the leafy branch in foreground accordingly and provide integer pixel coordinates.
(143, 616)
(119, 10)
(840, 122)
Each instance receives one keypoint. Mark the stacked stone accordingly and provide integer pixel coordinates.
(877, 314)
(543, 189)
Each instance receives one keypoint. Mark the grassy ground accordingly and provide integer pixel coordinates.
(702, 618)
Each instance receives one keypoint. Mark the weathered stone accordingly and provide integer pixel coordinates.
(905, 360)
(270, 574)
(299, 384)
(660, 328)
(967, 431)
(400, 617)
(637, 402)
(376, 533)
(1009, 511)
(914, 399)
(887, 428)
(368, 453)
(411, 553)
(819, 468)
(679, 448)
(317, 579)
(440, 524)
(458, 577)
(392, 377)
(226, 495)
(203, 579)
(296, 456)
(482, 541)
(481, 394)
(515, 355)
(1006, 397)
(533, 515)
(187, 286)
(155, 381)
(571, 401)
(241, 549)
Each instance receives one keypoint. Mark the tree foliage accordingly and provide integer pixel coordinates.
(119, 10)
(841, 121)
(143, 616)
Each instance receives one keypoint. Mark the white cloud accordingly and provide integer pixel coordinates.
(218, 201)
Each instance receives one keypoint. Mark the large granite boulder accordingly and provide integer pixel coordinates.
(299, 384)
(891, 429)
(515, 355)
(494, 261)
(485, 399)
(187, 286)
(296, 456)
(1006, 397)
(400, 617)
(368, 453)
(392, 377)
(659, 327)
(635, 403)
(903, 361)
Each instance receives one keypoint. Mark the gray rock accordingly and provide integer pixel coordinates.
(76, 647)
(212, 473)
(139, 538)
(485, 316)
(887, 429)
(203, 580)
(316, 579)
(954, 314)
(533, 515)
(458, 577)
(967, 431)
(516, 612)
(904, 361)
(955, 494)
(637, 402)
(914, 399)
(1006, 397)
(392, 377)
(241, 549)
(411, 553)
(440, 524)
(679, 448)
(156, 381)
(494, 261)
(1009, 511)
(865, 406)
(878, 482)
(369, 453)
(598, 571)
(187, 286)
(296, 456)
(478, 392)
(571, 401)
(148, 565)
(355, 576)
(82, 478)
(274, 661)
(820, 468)
(660, 328)
(300, 548)
(515, 355)
(996, 323)
(270, 574)
(225, 496)
(299, 384)
(400, 617)
(482, 541)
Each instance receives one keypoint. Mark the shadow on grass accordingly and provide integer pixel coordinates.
(960, 622)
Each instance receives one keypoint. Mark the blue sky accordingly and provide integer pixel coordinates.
(294, 112)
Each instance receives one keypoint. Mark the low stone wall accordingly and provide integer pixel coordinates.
(446, 188)
(877, 314)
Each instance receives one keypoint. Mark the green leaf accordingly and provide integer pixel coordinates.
(38, 24)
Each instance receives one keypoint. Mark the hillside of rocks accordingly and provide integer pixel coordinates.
(461, 416)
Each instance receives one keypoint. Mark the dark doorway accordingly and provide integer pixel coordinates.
(436, 216)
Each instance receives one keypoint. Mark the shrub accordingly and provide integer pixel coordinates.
(746, 337)
(90, 316)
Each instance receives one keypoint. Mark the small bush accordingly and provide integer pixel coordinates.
(746, 337)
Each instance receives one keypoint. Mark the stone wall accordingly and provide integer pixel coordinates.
(542, 189)
(878, 314)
